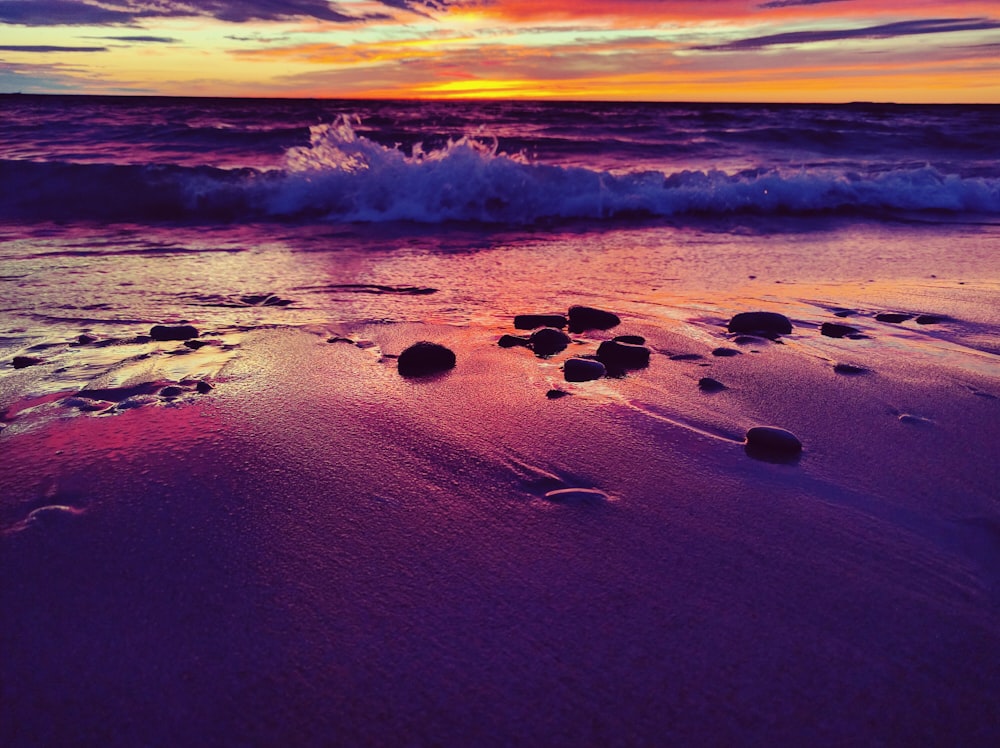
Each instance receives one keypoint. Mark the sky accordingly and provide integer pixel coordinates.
(646, 50)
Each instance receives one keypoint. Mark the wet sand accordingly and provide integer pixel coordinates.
(320, 551)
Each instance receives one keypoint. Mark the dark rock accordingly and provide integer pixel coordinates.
(748, 340)
(707, 384)
(726, 352)
(513, 341)
(86, 339)
(616, 355)
(583, 369)
(548, 340)
(772, 444)
(849, 369)
(893, 317)
(423, 358)
(930, 319)
(556, 394)
(171, 390)
(588, 318)
(763, 323)
(686, 357)
(532, 321)
(173, 332)
(195, 344)
(334, 339)
(631, 339)
(844, 312)
(23, 362)
(835, 330)
(203, 387)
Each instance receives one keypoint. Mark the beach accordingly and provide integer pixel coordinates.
(264, 534)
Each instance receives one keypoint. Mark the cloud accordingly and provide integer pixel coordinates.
(883, 31)
(790, 3)
(149, 39)
(47, 48)
(130, 12)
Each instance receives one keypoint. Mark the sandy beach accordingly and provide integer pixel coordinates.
(318, 551)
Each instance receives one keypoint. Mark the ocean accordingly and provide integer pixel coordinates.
(120, 213)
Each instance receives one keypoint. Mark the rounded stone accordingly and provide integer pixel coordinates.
(631, 339)
(763, 323)
(173, 332)
(726, 352)
(589, 318)
(771, 442)
(893, 317)
(424, 358)
(615, 354)
(707, 384)
(23, 362)
(548, 340)
(513, 341)
(836, 330)
(583, 369)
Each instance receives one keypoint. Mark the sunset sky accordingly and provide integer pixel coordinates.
(652, 50)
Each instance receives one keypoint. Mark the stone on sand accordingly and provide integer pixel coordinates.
(762, 323)
(23, 362)
(548, 341)
(771, 442)
(583, 369)
(588, 318)
(707, 384)
(893, 317)
(513, 341)
(615, 354)
(425, 358)
(173, 332)
(837, 330)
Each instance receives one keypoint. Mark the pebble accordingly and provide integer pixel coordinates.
(849, 369)
(513, 341)
(554, 394)
(173, 332)
(614, 354)
(548, 340)
(835, 330)
(424, 358)
(631, 339)
(765, 323)
(893, 317)
(726, 352)
(707, 384)
(583, 369)
(171, 390)
(929, 319)
(771, 442)
(588, 318)
(23, 362)
(686, 357)
(85, 339)
(195, 344)
(203, 387)
(532, 321)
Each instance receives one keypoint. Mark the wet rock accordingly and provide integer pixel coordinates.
(548, 341)
(617, 355)
(513, 341)
(424, 358)
(707, 384)
(203, 387)
(631, 339)
(686, 357)
(554, 394)
(195, 344)
(588, 318)
(533, 321)
(726, 352)
(768, 324)
(171, 390)
(773, 444)
(583, 370)
(835, 330)
(929, 319)
(23, 362)
(173, 332)
(893, 317)
(85, 339)
(849, 369)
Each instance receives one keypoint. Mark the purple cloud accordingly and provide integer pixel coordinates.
(883, 31)
(47, 48)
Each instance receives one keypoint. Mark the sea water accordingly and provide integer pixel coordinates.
(120, 213)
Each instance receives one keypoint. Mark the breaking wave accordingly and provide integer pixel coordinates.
(344, 177)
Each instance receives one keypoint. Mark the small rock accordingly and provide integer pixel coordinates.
(513, 341)
(23, 362)
(171, 390)
(929, 319)
(195, 344)
(844, 312)
(173, 332)
(556, 394)
(748, 340)
(631, 339)
(686, 357)
(424, 358)
(548, 340)
(614, 354)
(85, 339)
(772, 443)
(583, 369)
(588, 318)
(203, 387)
(849, 369)
(707, 384)
(532, 321)
(726, 352)
(334, 339)
(893, 317)
(764, 323)
(835, 330)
